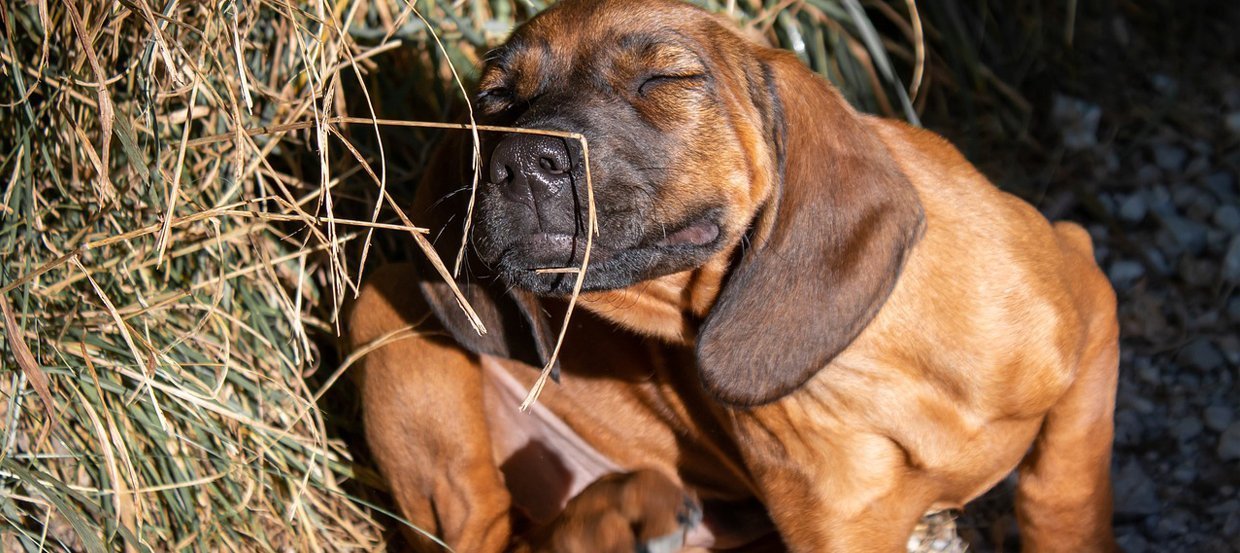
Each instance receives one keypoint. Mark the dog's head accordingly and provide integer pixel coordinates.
(681, 138)
(703, 146)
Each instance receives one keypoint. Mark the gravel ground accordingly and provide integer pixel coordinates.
(1136, 134)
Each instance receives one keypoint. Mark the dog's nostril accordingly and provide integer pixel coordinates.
(551, 166)
(500, 173)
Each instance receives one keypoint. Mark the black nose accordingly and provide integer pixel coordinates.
(531, 168)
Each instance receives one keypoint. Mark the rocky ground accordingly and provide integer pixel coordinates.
(1135, 132)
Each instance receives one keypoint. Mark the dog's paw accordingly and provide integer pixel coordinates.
(635, 512)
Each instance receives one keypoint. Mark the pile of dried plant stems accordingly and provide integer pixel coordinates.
(190, 191)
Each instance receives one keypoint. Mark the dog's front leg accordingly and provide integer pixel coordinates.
(422, 400)
(846, 493)
(1063, 501)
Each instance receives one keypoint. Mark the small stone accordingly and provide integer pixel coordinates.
(1184, 195)
(1201, 272)
(1186, 429)
(1110, 162)
(1215, 545)
(1149, 174)
(1187, 233)
(1229, 443)
(1184, 474)
(1161, 265)
(1233, 122)
(1133, 543)
(1109, 203)
(1217, 241)
(1221, 184)
(1201, 354)
(1188, 381)
(1077, 121)
(1218, 417)
(1142, 405)
(1231, 525)
(1128, 428)
(1230, 345)
(1226, 217)
(1173, 524)
(1135, 402)
(1164, 84)
(1231, 261)
(1101, 253)
(1098, 232)
(1202, 207)
(1229, 506)
(1124, 272)
(1147, 371)
(1133, 208)
(1169, 157)
(1198, 164)
(1135, 492)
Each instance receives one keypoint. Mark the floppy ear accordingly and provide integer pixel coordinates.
(827, 248)
(516, 325)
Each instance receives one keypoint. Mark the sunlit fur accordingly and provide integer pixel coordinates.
(878, 330)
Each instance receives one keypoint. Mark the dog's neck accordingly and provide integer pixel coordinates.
(670, 307)
(673, 307)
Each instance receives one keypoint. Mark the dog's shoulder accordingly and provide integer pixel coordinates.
(996, 276)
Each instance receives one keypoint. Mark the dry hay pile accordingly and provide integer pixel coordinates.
(183, 214)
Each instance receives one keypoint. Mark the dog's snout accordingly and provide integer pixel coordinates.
(531, 168)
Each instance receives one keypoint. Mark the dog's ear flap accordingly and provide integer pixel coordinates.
(516, 326)
(827, 248)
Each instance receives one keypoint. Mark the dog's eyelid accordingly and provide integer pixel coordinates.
(658, 78)
(494, 99)
(496, 92)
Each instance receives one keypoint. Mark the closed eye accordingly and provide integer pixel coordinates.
(494, 99)
(654, 81)
(497, 93)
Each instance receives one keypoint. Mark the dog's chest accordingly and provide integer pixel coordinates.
(857, 431)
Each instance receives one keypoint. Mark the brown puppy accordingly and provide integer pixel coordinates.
(791, 308)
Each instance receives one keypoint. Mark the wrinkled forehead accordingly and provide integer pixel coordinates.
(586, 33)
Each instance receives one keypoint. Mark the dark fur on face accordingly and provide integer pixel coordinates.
(666, 159)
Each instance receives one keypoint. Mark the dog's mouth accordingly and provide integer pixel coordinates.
(547, 262)
(551, 251)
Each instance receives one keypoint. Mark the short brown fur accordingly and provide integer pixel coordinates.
(880, 332)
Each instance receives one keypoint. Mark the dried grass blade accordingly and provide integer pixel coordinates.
(166, 233)
(476, 158)
(90, 539)
(919, 47)
(133, 347)
(591, 231)
(122, 500)
(374, 216)
(26, 360)
(106, 112)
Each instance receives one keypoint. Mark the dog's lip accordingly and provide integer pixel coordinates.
(559, 245)
(545, 252)
(699, 233)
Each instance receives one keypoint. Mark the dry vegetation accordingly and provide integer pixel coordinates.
(185, 210)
